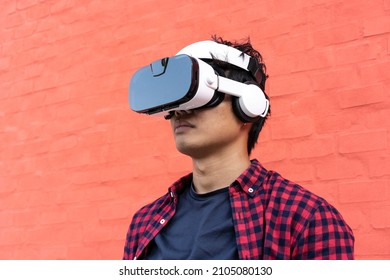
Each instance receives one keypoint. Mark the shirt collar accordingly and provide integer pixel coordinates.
(250, 181)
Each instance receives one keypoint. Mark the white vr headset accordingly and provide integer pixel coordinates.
(185, 82)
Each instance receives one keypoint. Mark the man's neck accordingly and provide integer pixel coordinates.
(214, 172)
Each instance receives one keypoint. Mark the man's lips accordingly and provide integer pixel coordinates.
(181, 125)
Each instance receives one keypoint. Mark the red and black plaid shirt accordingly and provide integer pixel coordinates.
(273, 219)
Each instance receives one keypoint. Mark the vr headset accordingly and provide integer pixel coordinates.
(186, 82)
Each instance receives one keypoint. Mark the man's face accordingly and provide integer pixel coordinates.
(203, 132)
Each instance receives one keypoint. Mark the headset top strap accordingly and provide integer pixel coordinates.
(213, 50)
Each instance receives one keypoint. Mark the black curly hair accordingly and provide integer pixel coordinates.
(240, 75)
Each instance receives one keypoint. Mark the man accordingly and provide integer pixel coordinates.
(231, 207)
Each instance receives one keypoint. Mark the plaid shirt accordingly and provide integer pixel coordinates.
(273, 219)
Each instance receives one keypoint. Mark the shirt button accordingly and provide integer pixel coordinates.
(162, 221)
(250, 190)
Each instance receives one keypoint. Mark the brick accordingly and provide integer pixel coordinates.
(293, 171)
(33, 70)
(71, 75)
(11, 236)
(85, 176)
(64, 161)
(34, 181)
(277, 26)
(64, 143)
(52, 215)
(21, 167)
(93, 139)
(379, 166)
(331, 124)
(25, 30)
(376, 71)
(360, 191)
(152, 166)
(326, 190)
(271, 151)
(293, 83)
(113, 211)
(4, 63)
(24, 57)
(53, 252)
(387, 4)
(8, 252)
(32, 251)
(335, 78)
(336, 34)
(61, 6)
(56, 95)
(22, 4)
(280, 106)
(119, 172)
(317, 58)
(363, 141)
(75, 196)
(81, 213)
(111, 250)
(6, 219)
(339, 168)
(361, 96)
(38, 11)
(179, 163)
(309, 148)
(14, 20)
(355, 216)
(46, 80)
(49, 235)
(358, 52)
(147, 129)
(376, 25)
(97, 233)
(388, 44)
(321, 103)
(8, 7)
(26, 217)
(102, 192)
(283, 128)
(66, 111)
(379, 217)
(373, 243)
(277, 64)
(83, 252)
(35, 147)
(293, 43)
(353, 11)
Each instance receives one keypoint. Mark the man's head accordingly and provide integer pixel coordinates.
(201, 80)
(254, 73)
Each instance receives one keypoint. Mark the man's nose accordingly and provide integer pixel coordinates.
(177, 114)
(180, 113)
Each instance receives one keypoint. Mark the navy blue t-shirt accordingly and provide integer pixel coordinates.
(202, 228)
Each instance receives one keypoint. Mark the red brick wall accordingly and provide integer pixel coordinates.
(75, 162)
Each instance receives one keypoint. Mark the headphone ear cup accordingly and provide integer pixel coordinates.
(240, 113)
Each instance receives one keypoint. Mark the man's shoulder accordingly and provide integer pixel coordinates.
(286, 188)
(278, 189)
(151, 206)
